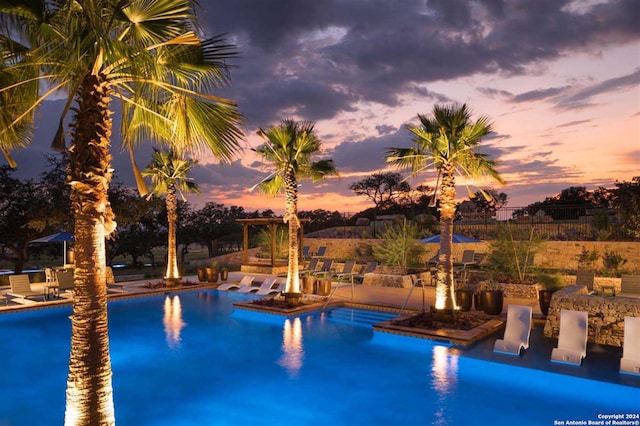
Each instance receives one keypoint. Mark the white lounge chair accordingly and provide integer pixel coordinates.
(276, 287)
(630, 362)
(21, 287)
(266, 284)
(517, 331)
(245, 281)
(572, 341)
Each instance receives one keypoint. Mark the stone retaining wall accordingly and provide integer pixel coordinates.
(606, 314)
(393, 280)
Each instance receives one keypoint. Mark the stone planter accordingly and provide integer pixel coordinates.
(292, 298)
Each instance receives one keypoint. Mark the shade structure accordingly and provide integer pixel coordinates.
(456, 238)
(58, 237)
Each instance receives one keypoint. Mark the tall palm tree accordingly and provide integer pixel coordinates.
(168, 173)
(447, 141)
(148, 56)
(289, 147)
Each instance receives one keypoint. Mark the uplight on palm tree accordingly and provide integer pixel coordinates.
(147, 56)
(289, 147)
(168, 173)
(447, 141)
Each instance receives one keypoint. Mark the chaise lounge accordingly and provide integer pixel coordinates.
(517, 331)
(244, 282)
(21, 287)
(630, 362)
(572, 341)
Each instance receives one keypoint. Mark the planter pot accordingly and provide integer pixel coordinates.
(212, 275)
(323, 287)
(224, 274)
(292, 298)
(544, 299)
(477, 300)
(308, 284)
(202, 274)
(464, 299)
(492, 302)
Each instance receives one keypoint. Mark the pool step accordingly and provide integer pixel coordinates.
(358, 316)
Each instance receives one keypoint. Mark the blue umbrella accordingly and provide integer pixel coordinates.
(63, 237)
(456, 238)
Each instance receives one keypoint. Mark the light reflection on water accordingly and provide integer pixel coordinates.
(292, 350)
(172, 320)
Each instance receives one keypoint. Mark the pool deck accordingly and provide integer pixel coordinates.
(601, 364)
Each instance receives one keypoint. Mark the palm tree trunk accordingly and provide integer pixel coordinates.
(444, 276)
(291, 217)
(173, 275)
(89, 388)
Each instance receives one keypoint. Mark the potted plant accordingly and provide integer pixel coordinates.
(551, 283)
(202, 274)
(212, 272)
(308, 283)
(224, 273)
(492, 299)
(464, 297)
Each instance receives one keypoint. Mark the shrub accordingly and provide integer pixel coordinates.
(399, 245)
(511, 253)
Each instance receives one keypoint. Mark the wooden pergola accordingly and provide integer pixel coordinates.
(272, 223)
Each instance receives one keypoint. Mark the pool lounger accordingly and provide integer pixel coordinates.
(572, 341)
(245, 281)
(266, 284)
(517, 331)
(630, 362)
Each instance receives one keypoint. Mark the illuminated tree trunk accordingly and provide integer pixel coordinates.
(173, 275)
(89, 389)
(444, 275)
(291, 217)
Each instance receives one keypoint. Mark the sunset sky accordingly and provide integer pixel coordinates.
(559, 79)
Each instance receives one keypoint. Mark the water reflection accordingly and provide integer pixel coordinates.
(172, 320)
(444, 372)
(292, 350)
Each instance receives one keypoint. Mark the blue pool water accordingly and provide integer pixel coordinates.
(191, 359)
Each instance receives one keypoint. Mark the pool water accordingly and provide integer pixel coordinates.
(192, 359)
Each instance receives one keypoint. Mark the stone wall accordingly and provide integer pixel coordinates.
(393, 280)
(552, 254)
(606, 314)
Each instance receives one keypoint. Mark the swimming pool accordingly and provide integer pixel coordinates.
(191, 359)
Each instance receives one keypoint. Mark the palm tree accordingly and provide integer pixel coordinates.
(447, 141)
(146, 55)
(168, 172)
(289, 147)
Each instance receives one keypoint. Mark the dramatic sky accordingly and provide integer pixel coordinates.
(559, 79)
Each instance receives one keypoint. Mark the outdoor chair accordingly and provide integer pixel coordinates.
(325, 269)
(630, 362)
(276, 287)
(586, 278)
(266, 284)
(572, 341)
(306, 252)
(21, 287)
(111, 280)
(65, 281)
(322, 252)
(311, 267)
(468, 259)
(347, 271)
(369, 267)
(245, 281)
(630, 286)
(517, 331)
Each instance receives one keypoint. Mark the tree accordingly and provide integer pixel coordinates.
(214, 221)
(381, 188)
(489, 201)
(147, 55)
(289, 148)
(447, 141)
(627, 200)
(168, 172)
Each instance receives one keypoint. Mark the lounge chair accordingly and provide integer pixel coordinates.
(347, 271)
(572, 341)
(111, 280)
(311, 267)
(630, 362)
(586, 278)
(322, 252)
(65, 281)
(245, 281)
(276, 287)
(325, 269)
(369, 267)
(517, 331)
(21, 287)
(468, 259)
(266, 284)
(306, 252)
(629, 286)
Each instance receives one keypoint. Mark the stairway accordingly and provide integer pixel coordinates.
(358, 317)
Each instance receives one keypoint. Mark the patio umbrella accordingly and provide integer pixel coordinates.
(457, 238)
(63, 237)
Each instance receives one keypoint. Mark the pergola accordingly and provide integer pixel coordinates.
(272, 223)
